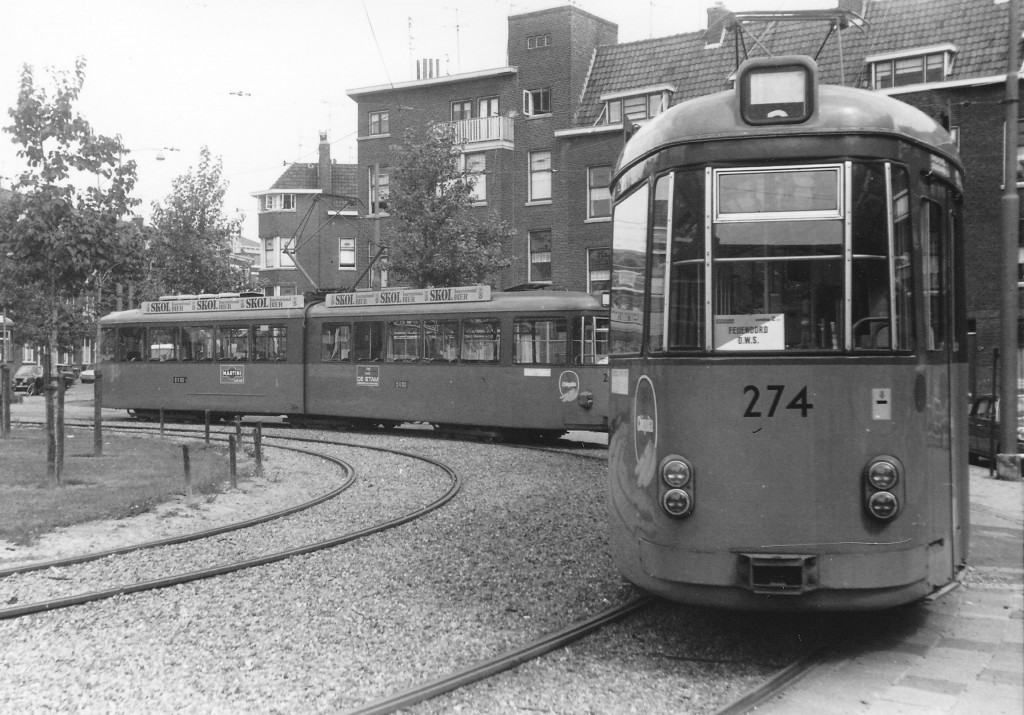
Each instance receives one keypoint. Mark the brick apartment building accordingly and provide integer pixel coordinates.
(542, 134)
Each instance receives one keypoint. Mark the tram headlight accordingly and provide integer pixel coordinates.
(883, 475)
(676, 473)
(883, 505)
(677, 502)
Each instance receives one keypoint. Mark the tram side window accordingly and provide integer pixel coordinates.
(131, 344)
(686, 293)
(108, 345)
(592, 340)
(197, 343)
(629, 272)
(335, 342)
(440, 340)
(233, 342)
(540, 341)
(660, 216)
(935, 289)
(869, 291)
(270, 342)
(903, 265)
(162, 344)
(404, 341)
(369, 341)
(481, 340)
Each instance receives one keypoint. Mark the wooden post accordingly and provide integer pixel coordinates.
(257, 444)
(238, 433)
(59, 430)
(97, 404)
(233, 462)
(188, 473)
(5, 397)
(161, 421)
(206, 421)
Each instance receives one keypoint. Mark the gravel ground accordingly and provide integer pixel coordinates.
(520, 552)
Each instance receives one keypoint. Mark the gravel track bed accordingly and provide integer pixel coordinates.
(520, 552)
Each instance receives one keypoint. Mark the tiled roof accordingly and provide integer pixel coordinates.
(977, 28)
(344, 178)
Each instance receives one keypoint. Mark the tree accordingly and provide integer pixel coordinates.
(190, 244)
(55, 236)
(435, 239)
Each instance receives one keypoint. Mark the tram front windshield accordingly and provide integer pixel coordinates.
(794, 258)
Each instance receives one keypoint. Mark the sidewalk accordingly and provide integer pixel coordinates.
(960, 654)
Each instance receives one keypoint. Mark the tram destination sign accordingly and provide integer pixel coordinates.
(215, 303)
(408, 296)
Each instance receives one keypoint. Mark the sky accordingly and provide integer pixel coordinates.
(256, 81)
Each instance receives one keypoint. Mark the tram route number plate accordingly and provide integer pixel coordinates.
(179, 380)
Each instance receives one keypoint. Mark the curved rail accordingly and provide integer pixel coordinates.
(178, 579)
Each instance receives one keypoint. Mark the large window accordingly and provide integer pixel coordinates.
(346, 253)
(277, 202)
(476, 169)
(379, 123)
(536, 102)
(488, 107)
(907, 68)
(599, 198)
(481, 340)
(270, 342)
(163, 344)
(540, 176)
(197, 342)
(440, 340)
(592, 340)
(540, 255)
(534, 42)
(599, 269)
(405, 338)
(380, 189)
(335, 342)
(462, 109)
(637, 107)
(276, 253)
(368, 344)
(540, 341)
(233, 342)
(629, 272)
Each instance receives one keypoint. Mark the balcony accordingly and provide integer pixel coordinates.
(486, 133)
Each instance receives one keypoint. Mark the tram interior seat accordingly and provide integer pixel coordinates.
(872, 332)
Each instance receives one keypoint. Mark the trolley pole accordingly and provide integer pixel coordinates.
(1009, 463)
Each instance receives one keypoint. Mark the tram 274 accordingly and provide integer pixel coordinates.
(788, 383)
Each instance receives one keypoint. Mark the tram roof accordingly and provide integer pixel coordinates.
(536, 301)
(840, 111)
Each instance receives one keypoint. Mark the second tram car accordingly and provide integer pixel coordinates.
(788, 383)
(519, 363)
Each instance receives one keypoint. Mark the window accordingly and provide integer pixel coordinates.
(599, 269)
(380, 190)
(540, 176)
(404, 340)
(440, 340)
(233, 342)
(488, 107)
(481, 340)
(277, 202)
(540, 256)
(275, 253)
(629, 271)
(934, 274)
(476, 168)
(279, 290)
(536, 101)
(591, 340)
(599, 198)
(270, 342)
(197, 342)
(535, 41)
(379, 123)
(163, 344)
(540, 341)
(637, 107)
(920, 67)
(463, 109)
(346, 253)
(335, 342)
(368, 345)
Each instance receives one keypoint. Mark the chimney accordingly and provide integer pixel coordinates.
(324, 170)
(717, 16)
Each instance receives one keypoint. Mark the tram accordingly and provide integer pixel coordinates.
(521, 364)
(789, 381)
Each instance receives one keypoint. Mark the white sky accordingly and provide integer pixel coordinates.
(169, 74)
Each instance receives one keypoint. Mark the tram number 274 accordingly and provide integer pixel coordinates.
(797, 403)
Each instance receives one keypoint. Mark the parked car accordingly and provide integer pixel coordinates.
(88, 374)
(29, 379)
(983, 427)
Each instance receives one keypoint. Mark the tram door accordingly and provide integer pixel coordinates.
(945, 353)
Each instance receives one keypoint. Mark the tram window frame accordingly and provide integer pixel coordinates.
(162, 344)
(370, 332)
(404, 341)
(109, 342)
(480, 341)
(535, 340)
(332, 347)
(270, 342)
(131, 343)
(629, 271)
(440, 341)
(207, 339)
(228, 336)
(592, 338)
(935, 281)
(686, 279)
